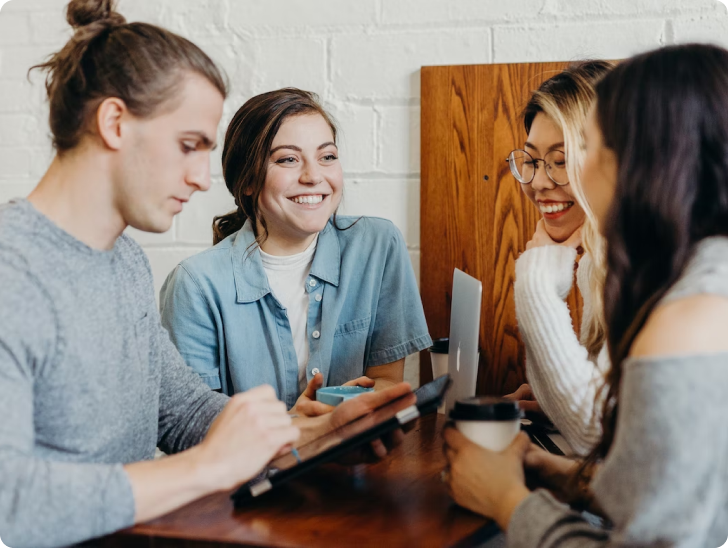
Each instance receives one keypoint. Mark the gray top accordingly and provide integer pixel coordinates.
(89, 380)
(665, 479)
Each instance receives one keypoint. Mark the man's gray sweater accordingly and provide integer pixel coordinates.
(89, 381)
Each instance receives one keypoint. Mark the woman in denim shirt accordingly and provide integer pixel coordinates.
(293, 295)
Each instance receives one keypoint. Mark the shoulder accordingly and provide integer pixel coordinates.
(369, 231)
(27, 306)
(210, 266)
(362, 223)
(693, 316)
(696, 324)
(17, 229)
(210, 260)
(706, 271)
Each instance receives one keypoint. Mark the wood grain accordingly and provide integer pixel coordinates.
(473, 214)
(398, 502)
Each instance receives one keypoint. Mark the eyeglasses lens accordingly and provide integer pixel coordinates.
(556, 167)
(521, 164)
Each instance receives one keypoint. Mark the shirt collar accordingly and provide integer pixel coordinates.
(327, 261)
(251, 282)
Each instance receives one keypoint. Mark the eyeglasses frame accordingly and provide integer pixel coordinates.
(535, 169)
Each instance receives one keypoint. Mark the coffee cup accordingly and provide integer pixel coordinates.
(439, 358)
(492, 423)
(438, 355)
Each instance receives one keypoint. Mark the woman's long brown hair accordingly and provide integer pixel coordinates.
(665, 116)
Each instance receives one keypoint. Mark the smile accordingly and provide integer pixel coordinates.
(554, 207)
(308, 199)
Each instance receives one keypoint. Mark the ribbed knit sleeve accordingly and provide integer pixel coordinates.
(563, 378)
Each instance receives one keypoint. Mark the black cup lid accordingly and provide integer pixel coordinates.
(440, 346)
(485, 409)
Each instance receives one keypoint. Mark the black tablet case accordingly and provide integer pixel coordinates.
(429, 397)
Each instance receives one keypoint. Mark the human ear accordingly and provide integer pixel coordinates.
(109, 117)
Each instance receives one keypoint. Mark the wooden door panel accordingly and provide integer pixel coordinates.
(473, 213)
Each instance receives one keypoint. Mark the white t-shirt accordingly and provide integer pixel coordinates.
(287, 278)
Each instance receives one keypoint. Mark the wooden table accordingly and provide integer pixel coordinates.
(398, 502)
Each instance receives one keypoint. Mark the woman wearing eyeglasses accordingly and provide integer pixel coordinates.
(563, 370)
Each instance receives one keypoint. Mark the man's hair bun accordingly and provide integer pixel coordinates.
(81, 13)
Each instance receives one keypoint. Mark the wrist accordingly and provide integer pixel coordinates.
(510, 502)
(203, 475)
(311, 427)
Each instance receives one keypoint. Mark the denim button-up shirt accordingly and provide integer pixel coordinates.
(364, 310)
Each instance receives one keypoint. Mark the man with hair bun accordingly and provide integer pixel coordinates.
(90, 383)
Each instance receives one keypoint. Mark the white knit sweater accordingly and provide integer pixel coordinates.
(563, 378)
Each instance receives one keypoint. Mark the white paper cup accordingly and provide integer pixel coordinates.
(439, 356)
(492, 423)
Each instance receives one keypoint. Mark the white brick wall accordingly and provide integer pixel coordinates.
(362, 56)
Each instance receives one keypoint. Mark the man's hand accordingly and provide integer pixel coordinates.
(252, 428)
(307, 406)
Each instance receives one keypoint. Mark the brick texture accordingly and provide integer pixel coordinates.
(363, 58)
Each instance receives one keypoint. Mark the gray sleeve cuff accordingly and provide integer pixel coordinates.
(541, 521)
(119, 504)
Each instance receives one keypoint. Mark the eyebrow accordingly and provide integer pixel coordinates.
(299, 149)
(555, 146)
(206, 141)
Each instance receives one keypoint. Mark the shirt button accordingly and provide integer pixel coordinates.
(315, 371)
(316, 334)
(312, 283)
(318, 297)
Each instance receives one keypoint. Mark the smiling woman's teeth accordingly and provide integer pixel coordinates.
(308, 199)
(555, 208)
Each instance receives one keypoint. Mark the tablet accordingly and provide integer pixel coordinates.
(332, 445)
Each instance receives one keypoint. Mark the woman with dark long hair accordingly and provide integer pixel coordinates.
(292, 294)
(656, 177)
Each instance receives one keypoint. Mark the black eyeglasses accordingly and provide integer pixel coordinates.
(523, 166)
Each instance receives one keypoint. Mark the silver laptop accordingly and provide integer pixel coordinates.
(467, 296)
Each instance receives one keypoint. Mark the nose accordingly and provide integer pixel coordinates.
(198, 173)
(310, 174)
(542, 181)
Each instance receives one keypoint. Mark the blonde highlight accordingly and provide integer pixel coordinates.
(568, 106)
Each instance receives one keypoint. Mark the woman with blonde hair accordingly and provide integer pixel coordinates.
(564, 371)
